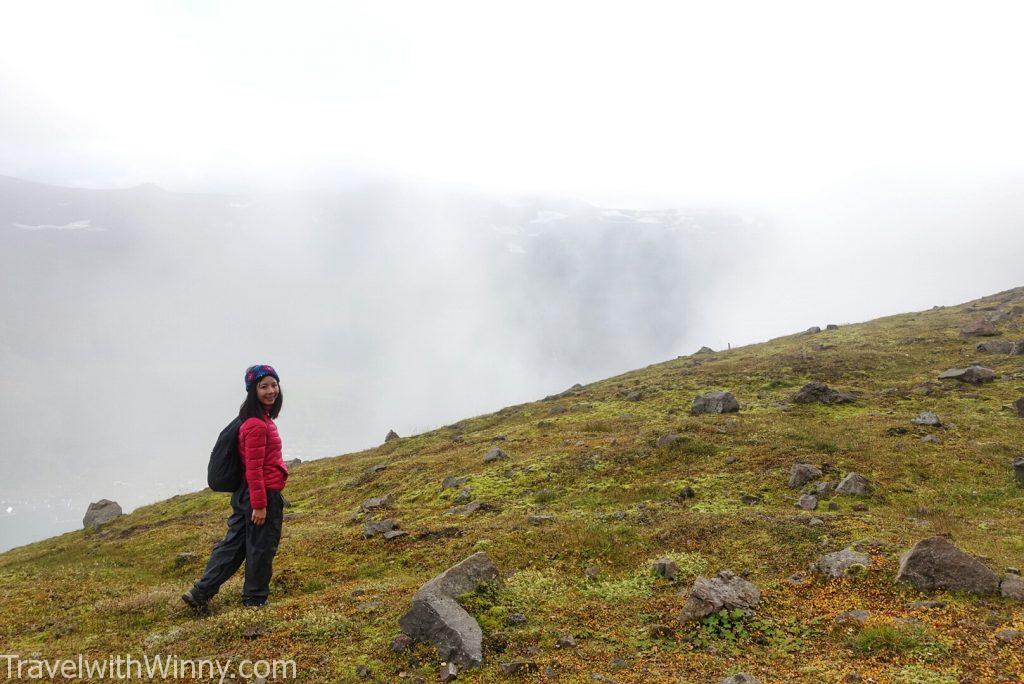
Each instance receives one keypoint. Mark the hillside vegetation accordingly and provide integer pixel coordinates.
(589, 458)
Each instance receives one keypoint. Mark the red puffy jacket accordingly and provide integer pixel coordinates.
(260, 447)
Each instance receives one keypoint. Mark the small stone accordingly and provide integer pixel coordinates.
(972, 374)
(668, 441)
(540, 519)
(619, 664)
(515, 619)
(494, 454)
(854, 484)
(390, 436)
(802, 473)
(372, 469)
(859, 507)
(449, 672)
(363, 671)
(592, 571)
(724, 590)
(807, 502)
(185, 558)
(253, 631)
(665, 567)
(401, 642)
(926, 605)
(714, 402)
(518, 667)
(813, 330)
(741, 678)
(375, 527)
(751, 499)
(686, 493)
(821, 393)
(1018, 469)
(377, 502)
(927, 418)
(394, 534)
(451, 482)
(842, 563)
(833, 506)
(566, 641)
(660, 631)
(853, 617)
(1019, 405)
(729, 460)
(1012, 586)
(931, 439)
(1008, 635)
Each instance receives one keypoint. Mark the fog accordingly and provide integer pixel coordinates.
(418, 214)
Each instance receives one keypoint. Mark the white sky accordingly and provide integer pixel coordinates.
(611, 102)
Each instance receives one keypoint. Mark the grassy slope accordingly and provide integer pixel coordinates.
(109, 591)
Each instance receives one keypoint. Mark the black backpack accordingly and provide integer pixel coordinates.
(224, 474)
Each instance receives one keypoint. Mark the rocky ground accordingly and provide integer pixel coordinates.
(839, 505)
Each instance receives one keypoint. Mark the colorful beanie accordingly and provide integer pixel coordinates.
(254, 373)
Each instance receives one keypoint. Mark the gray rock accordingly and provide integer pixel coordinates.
(394, 534)
(375, 527)
(726, 590)
(518, 667)
(1008, 635)
(926, 605)
(1018, 469)
(822, 488)
(927, 418)
(449, 672)
(1012, 586)
(377, 502)
(813, 330)
(741, 678)
(821, 393)
(636, 395)
(1019, 405)
(566, 641)
(972, 374)
(515, 619)
(184, 558)
(567, 393)
(852, 617)
(452, 482)
(291, 463)
(557, 410)
(802, 473)
(934, 563)
(469, 508)
(666, 441)
(807, 502)
(494, 454)
(665, 567)
(839, 563)
(374, 469)
(979, 328)
(401, 642)
(390, 436)
(931, 439)
(854, 484)
(831, 326)
(539, 519)
(714, 402)
(995, 347)
(705, 350)
(436, 617)
(99, 512)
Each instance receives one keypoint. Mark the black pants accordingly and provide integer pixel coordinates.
(249, 542)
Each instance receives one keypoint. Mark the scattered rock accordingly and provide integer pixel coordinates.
(1019, 405)
(725, 590)
(592, 571)
(375, 527)
(852, 617)
(183, 559)
(1018, 469)
(926, 605)
(100, 512)
(1012, 586)
(931, 439)
(449, 672)
(995, 347)
(291, 463)
(377, 502)
(685, 493)
(665, 567)
(494, 454)
(854, 484)
(435, 616)
(374, 469)
(934, 563)
(669, 440)
(451, 482)
(927, 418)
(390, 436)
(557, 409)
(741, 678)
(821, 393)
(802, 473)
(807, 502)
(566, 641)
(714, 402)
(972, 374)
(841, 563)
(751, 499)
(515, 619)
(518, 667)
(705, 350)
(831, 326)
(394, 534)
(1008, 635)
(567, 393)
(979, 328)
(729, 460)
(464, 496)
(813, 330)
(401, 642)
(469, 508)
(254, 631)
(825, 487)
(539, 519)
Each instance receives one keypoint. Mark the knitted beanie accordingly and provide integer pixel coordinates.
(254, 373)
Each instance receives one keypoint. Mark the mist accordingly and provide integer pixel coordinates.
(418, 213)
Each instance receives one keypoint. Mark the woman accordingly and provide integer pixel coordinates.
(254, 528)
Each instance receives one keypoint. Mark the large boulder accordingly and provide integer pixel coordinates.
(726, 590)
(820, 392)
(714, 402)
(934, 563)
(972, 374)
(100, 512)
(802, 473)
(436, 617)
(839, 563)
(979, 328)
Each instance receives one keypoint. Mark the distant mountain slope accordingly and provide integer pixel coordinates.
(715, 497)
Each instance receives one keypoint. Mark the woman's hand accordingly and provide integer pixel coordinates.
(259, 515)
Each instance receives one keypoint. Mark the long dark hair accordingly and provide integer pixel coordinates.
(253, 408)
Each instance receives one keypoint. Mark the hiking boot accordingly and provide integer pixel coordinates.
(196, 602)
(255, 604)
